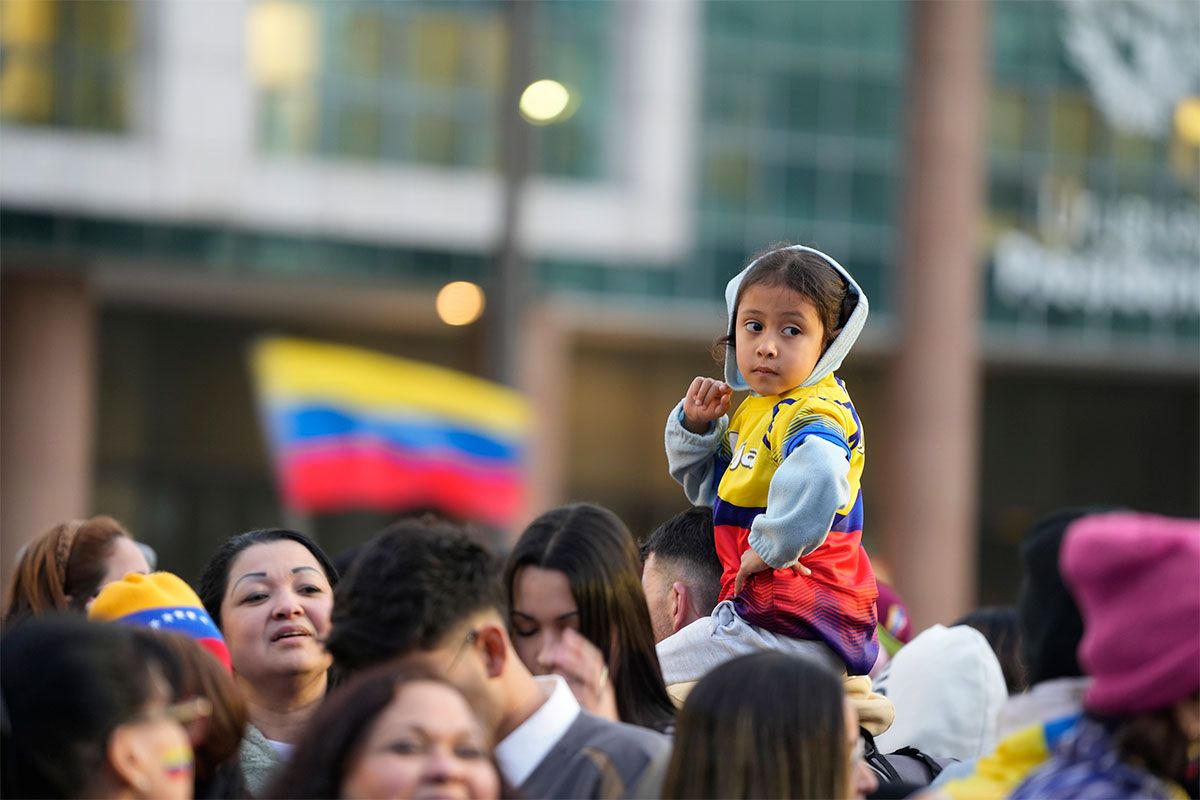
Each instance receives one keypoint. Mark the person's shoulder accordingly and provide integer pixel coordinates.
(619, 737)
(598, 758)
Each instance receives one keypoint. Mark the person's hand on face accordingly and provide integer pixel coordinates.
(582, 665)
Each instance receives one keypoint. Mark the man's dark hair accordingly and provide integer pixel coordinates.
(409, 587)
(686, 540)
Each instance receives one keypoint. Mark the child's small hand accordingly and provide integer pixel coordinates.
(752, 562)
(707, 399)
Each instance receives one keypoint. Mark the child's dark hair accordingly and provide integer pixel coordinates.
(805, 273)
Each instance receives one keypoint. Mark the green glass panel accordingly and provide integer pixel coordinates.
(800, 189)
(1006, 119)
(872, 195)
(876, 108)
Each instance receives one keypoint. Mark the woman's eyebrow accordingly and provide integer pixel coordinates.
(248, 575)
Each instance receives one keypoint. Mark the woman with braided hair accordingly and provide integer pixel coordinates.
(65, 567)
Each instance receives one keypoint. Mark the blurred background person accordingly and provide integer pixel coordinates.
(1134, 577)
(576, 608)
(218, 752)
(947, 688)
(681, 574)
(271, 592)
(90, 712)
(392, 732)
(999, 625)
(64, 568)
(895, 628)
(163, 605)
(768, 725)
(1030, 723)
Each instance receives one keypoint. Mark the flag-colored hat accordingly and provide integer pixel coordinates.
(162, 601)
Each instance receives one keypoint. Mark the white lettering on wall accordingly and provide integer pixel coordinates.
(1124, 255)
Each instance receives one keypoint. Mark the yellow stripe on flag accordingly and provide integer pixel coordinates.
(297, 371)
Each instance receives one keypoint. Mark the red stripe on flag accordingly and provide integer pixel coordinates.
(340, 479)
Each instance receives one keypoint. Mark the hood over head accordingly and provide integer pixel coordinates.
(838, 349)
(948, 689)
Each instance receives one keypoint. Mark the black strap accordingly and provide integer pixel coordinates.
(930, 763)
(876, 760)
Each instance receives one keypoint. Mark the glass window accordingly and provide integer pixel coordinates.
(1006, 119)
(727, 179)
(421, 80)
(67, 63)
(876, 108)
(872, 197)
(800, 191)
(808, 104)
(799, 102)
(1070, 123)
(1011, 24)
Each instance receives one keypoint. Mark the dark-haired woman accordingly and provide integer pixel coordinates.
(768, 725)
(392, 732)
(89, 712)
(64, 568)
(218, 767)
(576, 608)
(271, 593)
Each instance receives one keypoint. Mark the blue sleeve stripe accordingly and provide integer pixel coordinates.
(720, 464)
(812, 430)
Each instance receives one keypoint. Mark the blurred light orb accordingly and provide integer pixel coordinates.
(545, 101)
(460, 303)
(281, 39)
(1187, 120)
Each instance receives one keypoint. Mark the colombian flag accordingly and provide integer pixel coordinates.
(353, 429)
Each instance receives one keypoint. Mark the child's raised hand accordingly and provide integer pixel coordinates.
(707, 399)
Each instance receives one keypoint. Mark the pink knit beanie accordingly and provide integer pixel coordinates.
(1136, 578)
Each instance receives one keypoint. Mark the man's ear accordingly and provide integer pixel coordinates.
(681, 605)
(493, 639)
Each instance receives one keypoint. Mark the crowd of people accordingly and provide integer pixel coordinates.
(434, 668)
(746, 648)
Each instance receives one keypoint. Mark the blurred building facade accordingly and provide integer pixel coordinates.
(177, 178)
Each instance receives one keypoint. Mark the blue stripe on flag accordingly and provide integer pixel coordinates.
(308, 424)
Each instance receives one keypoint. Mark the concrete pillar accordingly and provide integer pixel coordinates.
(929, 481)
(47, 397)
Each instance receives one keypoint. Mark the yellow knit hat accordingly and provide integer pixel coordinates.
(162, 601)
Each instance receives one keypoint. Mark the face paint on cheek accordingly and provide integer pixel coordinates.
(177, 763)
